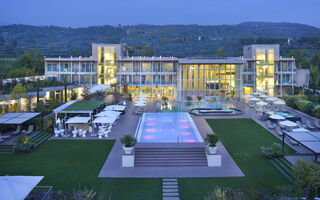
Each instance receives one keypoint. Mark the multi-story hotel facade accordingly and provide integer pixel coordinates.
(260, 69)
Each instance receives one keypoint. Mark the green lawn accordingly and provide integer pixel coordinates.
(66, 164)
(243, 139)
(84, 105)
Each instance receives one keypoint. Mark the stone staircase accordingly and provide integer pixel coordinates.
(172, 155)
(170, 190)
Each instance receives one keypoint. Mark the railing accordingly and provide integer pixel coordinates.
(138, 127)
(41, 193)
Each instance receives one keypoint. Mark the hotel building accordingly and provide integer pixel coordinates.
(261, 68)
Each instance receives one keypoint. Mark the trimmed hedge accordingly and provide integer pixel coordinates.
(309, 104)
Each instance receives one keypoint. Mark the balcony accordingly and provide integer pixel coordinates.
(248, 82)
(286, 82)
(248, 70)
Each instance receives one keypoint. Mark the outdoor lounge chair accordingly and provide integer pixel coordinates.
(29, 131)
(309, 125)
(17, 131)
(317, 123)
(299, 124)
(278, 130)
(270, 125)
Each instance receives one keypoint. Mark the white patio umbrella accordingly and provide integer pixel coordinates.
(272, 99)
(248, 96)
(99, 88)
(143, 95)
(105, 120)
(288, 123)
(256, 93)
(279, 103)
(108, 113)
(140, 104)
(263, 96)
(265, 91)
(261, 103)
(110, 107)
(300, 130)
(17, 187)
(277, 117)
(254, 99)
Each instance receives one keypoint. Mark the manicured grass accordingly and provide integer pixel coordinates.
(66, 164)
(84, 105)
(243, 139)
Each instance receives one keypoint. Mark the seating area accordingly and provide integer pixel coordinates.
(96, 122)
(23, 123)
(284, 124)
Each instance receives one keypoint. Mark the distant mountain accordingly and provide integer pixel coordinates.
(167, 40)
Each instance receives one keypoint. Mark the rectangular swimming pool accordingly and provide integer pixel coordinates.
(167, 127)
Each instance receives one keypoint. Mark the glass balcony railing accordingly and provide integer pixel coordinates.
(248, 82)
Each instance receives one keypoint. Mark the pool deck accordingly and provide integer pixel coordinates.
(127, 124)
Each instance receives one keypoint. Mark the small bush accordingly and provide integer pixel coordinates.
(128, 140)
(22, 144)
(316, 111)
(211, 140)
(189, 98)
(274, 151)
(305, 106)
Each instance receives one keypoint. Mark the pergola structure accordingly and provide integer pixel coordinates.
(307, 139)
(17, 118)
(78, 107)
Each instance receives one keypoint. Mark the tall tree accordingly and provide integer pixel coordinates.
(220, 53)
(32, 59)
(300, 56)
(18, 91)
(146, 50)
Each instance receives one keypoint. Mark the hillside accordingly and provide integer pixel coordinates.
(168, 40)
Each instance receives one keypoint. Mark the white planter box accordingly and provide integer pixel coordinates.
(127, 160)
(214, 160)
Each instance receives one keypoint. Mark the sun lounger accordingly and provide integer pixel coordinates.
(317, 124)
(278, 130)
(309, 125)
(17, 131)
(270, 125)
(29, 131)
(299, 124)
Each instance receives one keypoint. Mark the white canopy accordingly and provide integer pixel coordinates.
(248, 96)
(261, 103)
(78, 120)
(110, 107)
(271, 99)
(254, 99)
(99, 88)
(279, 103)
(139, 104)
(263, 96)
(108, 113)
(265, 91)
(256, 93)
(288, 123)
(17, 187)
(105, 120)
(119, 108)
(300, 130)
(277, 117)
(143, 95)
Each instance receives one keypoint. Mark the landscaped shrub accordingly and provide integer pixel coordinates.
(307, 179)
(291, 100)
(305, 106)
(22, 144)
(274, 151)
(316, 111)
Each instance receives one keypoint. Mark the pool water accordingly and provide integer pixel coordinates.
(186, 106)
(167, 127)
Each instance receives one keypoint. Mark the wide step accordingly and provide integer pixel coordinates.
(170, 157)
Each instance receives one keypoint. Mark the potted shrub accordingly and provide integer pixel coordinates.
(128, 143)
(211, 140)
